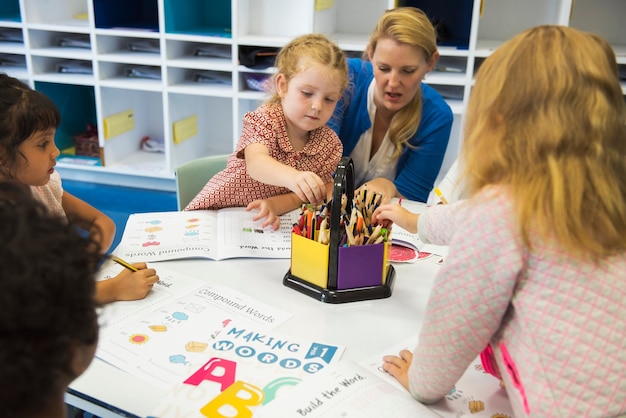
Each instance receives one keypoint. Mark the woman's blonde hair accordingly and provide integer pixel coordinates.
(315, 48)
(410, 26)
(546, 117)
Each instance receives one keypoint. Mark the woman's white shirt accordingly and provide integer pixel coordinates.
(381, 164)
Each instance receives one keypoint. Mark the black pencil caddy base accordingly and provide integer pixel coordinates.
(341, 296)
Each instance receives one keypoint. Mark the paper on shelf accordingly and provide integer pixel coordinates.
(185, 128)
(119, 123)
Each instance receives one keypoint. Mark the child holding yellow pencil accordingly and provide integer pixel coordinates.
(28, 122)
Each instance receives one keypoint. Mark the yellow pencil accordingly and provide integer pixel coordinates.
(441, 196)
(123, 263)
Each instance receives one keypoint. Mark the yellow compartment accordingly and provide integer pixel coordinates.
(309, 260)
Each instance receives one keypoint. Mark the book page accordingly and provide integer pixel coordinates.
(240, 236)
(477, 394)
(165, 345)
(245, 367)
(345, 390)
(212, 234)
(171, 286)
(402, 237)
(158, 236)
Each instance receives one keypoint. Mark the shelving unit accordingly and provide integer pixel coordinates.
(181, 45)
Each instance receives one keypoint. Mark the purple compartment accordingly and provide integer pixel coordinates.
(360, 266)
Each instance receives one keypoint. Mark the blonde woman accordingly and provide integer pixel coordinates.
(394, 127)
(535, 271)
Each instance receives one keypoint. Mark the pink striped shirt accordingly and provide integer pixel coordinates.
(557, 325)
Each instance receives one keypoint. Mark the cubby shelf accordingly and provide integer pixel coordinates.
(173, 64)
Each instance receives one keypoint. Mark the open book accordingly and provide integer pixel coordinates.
(212, 234)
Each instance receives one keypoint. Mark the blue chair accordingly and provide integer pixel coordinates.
(193, 175)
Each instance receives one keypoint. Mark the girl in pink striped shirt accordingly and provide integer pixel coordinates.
(535, 270)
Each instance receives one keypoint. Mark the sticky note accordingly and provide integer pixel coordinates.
(185, 129)
(119, 123)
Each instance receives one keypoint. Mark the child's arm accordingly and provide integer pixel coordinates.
(307, 185)
(274, 206)
(99, 225)
(395, 213)
(127, 285)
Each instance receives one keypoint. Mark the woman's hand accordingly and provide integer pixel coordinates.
(382, 186)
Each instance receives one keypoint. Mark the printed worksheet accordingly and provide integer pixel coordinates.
(245, 367)
(346, 390)
(167, 344)
(212, 234)
(171, 286)
(476, 394)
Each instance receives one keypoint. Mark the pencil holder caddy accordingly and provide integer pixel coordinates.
(334, 273)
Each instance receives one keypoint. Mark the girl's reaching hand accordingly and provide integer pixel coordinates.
(309, 187)
(267, 211)
(393, 212)
(398, 366)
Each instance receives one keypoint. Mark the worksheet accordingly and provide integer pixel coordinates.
(171, 286)
(166, 344)
(477, 394)
(245, 367)
(346, 390)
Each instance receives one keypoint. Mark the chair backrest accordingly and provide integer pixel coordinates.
(193, 175)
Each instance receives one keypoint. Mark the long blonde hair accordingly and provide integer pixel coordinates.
(546, 118)
(316, 48)
(411, 26)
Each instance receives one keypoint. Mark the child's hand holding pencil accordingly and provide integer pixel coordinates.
(122, 262)
(132, 283)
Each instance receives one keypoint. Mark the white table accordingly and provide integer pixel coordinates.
(364, 328)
